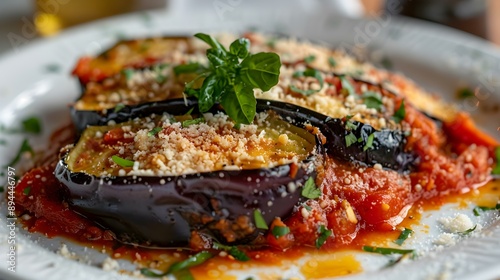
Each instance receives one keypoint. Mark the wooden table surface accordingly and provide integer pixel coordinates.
(373, 7)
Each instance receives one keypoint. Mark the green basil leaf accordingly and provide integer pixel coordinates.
(210, 41)
(32, 125)
(240, 104)
(324, 233)
(403, 236)
(373, 100)
(27, 190)
(207, 95)
(259, 219)
(217, 58)
(479, 209)
(119, 107)
(332, 62)
(309, 59)
(310, 190)
(233, 251)
(122, 162)
(400, 114)
(261, 70)
(240, 47)
(369, 142)
(386, 251)
(496, 169)
(187, 68)
(350, 139)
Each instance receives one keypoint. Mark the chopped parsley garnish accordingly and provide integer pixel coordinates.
(308, 73)
(27, 190)
(122, 162)
(188, 68)
(32, 125)
(324, 233)
(233, 251)
(373, 100)
(387, 251)
(403, 236)
(154, 131)
(349, 125)
(231, 77)
(180, 268)
(25, 147)
(332, 62)
(310, 190)
(119, 107)
(400, 114)
(128, 73)
(187, 123)
(468, 231)
(309, 59)
(464, 93)
(259, 219)
(479, 209)
(496, 169)
(350, 139)
(369, 142)
(308, 208)
(347, 86)
(279, 231)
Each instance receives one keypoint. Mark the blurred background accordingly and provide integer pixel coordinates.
(43, 18)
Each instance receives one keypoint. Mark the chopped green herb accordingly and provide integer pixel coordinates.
(52, 68)
(177, 267)
(187, 123)
(403, 236)
(479, 209)
(188, 68)
(25, 147)
(349, 125)
(386, 63)
(308, 208)
(464, 93)
(232, 76)
(259, 219)
(122, 162)
(279, 231)
(128, 73)
(332, 62)
(154, 131)
(373, 100)
(310, 190)
(237, 126)
(324, 233)
(468, 231)
(350, 139)
(496, 169)
(309, 59)
(233, 251)
(119, 107)
(369, 142)
(308, 73)
(347, 86)
(32, 125)
(400, 114)
(27, 190)
(386, 251)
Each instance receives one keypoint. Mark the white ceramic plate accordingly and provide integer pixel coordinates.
(36, 81)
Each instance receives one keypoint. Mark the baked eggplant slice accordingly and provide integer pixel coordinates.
(137, 53)
(155, 189)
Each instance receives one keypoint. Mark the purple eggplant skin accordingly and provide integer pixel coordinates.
(163, 211)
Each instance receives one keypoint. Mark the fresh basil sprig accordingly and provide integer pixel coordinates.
(231, 77)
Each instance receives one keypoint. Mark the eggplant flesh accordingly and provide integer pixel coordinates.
(387, 148)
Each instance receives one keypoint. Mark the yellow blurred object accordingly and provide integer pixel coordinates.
(54, 15)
